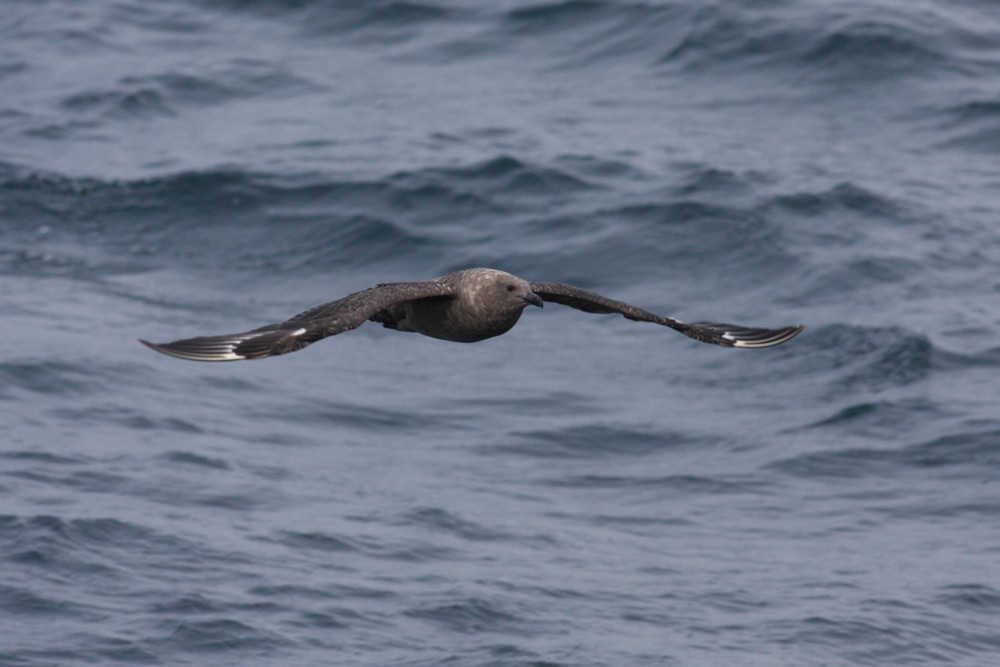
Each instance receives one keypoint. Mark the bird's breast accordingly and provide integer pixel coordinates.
(457, 321)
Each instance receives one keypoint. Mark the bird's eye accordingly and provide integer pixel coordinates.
(510, 288)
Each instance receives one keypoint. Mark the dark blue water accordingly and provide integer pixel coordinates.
(581, 491)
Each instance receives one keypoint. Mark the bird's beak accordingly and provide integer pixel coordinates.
(533, 299)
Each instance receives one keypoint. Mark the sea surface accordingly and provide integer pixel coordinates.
(581, 491)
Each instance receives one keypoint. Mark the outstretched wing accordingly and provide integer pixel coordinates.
(729, 335)
(328, 319)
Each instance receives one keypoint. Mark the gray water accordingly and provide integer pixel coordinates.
(583, 490)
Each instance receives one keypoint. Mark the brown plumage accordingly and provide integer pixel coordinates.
(464, 307)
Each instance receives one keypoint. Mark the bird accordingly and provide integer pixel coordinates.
(466, 306)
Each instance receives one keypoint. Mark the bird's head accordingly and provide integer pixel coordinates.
(514, 291)
(500, 287)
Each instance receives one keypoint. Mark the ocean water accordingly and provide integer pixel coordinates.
(583, 490)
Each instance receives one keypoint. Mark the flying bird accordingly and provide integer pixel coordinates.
(463, 307)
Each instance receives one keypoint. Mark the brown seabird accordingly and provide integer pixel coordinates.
(464, 307)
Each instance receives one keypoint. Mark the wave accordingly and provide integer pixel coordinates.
(23, 378)
(446, 522)
(973, 452)
(365, 418)
(843, 197)
(168, 93)
(828, 45)
(869, 359)
(598, 440)
(686, 486)
(567, 14)
(433, 190)
(20, 601)
(393, 20)
(48, 377)
(852, 224)
(881, 417)
(973, 126)
(474, 615)
(412, 551)
(974, 598)
(212, 636)
(259, 222)
(68, 546)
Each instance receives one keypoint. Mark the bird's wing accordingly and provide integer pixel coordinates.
(728, 335)
(328, 319)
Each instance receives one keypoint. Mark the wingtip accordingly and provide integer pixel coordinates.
(193, 350)
(766, 337)
(151, 345)
(734, 335)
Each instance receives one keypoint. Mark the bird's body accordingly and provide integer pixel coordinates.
(483, 303)
(464, 307)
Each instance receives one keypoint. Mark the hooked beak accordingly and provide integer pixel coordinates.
(533, 299)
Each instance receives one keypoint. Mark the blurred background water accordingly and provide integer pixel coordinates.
(581, 491)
